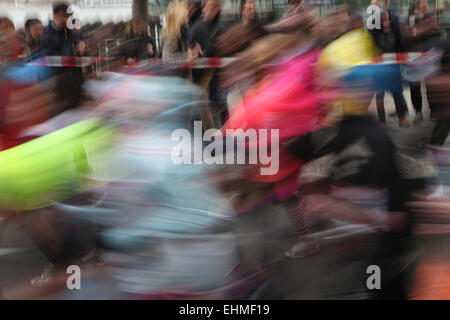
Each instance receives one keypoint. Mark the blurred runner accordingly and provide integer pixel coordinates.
(286, 99)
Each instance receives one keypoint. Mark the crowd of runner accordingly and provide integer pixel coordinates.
(89, 177)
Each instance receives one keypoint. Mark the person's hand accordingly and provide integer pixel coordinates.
(192, 56)
(150, 49)
(81, 47)
(193, 53)
(131, 61)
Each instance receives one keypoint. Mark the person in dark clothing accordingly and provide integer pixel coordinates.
(365, 168)
(202, 43)
(248, 28)
(389, 40)
(141, 45)
(195, 12)
(439, 96)
(203, 33)
(59, 40)
(227, 44)
(422, 34)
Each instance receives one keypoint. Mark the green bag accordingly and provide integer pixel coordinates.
(52, 167)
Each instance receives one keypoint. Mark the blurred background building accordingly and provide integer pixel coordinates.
(121, 9)
(93, 11)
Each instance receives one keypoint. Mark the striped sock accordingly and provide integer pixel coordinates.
(295, 210)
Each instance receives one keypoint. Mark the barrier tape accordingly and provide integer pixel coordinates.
(401, 57)
(201, 63)
(62, 61)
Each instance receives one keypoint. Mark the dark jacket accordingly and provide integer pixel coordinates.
(426, 40)
(186, 30)
(389, 40)
(195, 16)
(35, 46)
(60, 42)
(137, 48)
(205, 33)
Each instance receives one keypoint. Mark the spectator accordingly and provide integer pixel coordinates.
(142, 46)
(248, 29)
(202, 42)
(10, 47)
(227, 44)
(248, 13)
(389, 40)
(422, 33)
(194, 12)
(204, 32)
(33, 28)
(176, 19)
(295, 6)
(58, 39)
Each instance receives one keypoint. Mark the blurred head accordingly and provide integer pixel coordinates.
(248, 10)
(413, 8)
(177, 15)
(6, 26)
(380, 3)
(139, 27)
(34, 28)
(211, 9)
(292, 4)
(423, 5)
(193, 7)
(60, 14)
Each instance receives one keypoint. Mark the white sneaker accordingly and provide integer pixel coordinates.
(302, 248)
(45, 277)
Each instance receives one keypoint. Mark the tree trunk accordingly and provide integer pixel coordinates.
(140, 9)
